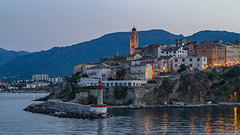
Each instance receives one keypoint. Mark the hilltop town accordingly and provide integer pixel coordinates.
(148, 63)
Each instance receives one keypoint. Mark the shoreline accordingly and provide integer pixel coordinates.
(221, 104)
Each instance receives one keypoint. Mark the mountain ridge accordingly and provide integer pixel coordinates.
(8, 55)
(59, 61)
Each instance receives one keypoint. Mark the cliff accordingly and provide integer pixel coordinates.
(217, 85)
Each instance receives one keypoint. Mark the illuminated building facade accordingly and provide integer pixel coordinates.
(141, 72)
(215, 54)
(230, 55)
(133, 40)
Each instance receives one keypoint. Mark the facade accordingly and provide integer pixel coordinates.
(191, 47)
(133, 40)
(89, 65)
(77, 68)
(181, 42)
(99, 72)
(236, 54)
(56, 80)
(215, 54)
(230, 57)
(193, 63)
(155, 68)
(40, 77)
(119, 67)
(174, 51)
(133, 57)
(141, 72)
(111, 83)
(112, 61)
(148, 51)
(145, 59)
(165, 63)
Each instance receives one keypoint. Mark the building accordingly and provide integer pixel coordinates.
(174, 51)
(133, 40)
(181, 42)
(133, 57)
(115, 69)
(40, 77)
(165, 63)
(144, 59)
(148, 51)
(141, 72)
(111, 83)
(199, 63)
(236, 53)
(215, 54)
(112, 61)
(191, 48)
(56, 80)
(77, 68)
(230, 55)
(155, 68)
(99, 72)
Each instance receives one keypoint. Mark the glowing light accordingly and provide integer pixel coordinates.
(164, 68)
(235, 120)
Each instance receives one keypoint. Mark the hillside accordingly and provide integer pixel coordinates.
(216, 85)
(6, 56)
(59, 61)
(208, 35)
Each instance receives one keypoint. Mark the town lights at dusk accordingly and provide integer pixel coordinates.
(119, 67)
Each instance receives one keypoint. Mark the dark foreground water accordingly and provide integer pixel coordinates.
(213, 120)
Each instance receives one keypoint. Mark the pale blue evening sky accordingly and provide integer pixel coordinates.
(33, 25)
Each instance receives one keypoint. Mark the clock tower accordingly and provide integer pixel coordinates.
(133, 40)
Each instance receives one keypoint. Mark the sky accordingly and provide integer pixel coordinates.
(35, 25)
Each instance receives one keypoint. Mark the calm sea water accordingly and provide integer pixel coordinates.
(212, 120)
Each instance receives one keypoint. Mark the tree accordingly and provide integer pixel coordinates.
(182, 68)
(120, 73)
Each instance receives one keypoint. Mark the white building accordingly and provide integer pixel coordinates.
(56, 80)
(198, 62)
(165, 63)
(99, 72)
(174, 51)
(111, 83)
(36, 85)
(40, 77)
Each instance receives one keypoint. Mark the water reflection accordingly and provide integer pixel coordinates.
(235, 120)
(165, 123)
(146, 122)
(207, 124)
(191, 123)
(214, 120)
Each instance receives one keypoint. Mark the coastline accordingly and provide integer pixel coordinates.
(221, 104)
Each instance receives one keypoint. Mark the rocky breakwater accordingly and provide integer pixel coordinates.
(64, 110)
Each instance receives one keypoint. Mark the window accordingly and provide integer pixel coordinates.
(190, 65)
(198, 59)
(190, 59)
(175, 60)
(183, 60)
(139, 71)
(176, 65)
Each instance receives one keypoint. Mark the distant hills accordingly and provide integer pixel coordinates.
(6, 56)
(59, 61)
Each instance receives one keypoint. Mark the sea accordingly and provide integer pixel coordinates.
(165, 121)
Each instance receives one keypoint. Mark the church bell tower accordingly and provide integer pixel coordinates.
(133, 40)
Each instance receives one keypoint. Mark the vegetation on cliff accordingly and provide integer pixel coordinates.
(216, 85)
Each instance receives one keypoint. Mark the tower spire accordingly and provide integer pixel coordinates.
(133, 40)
